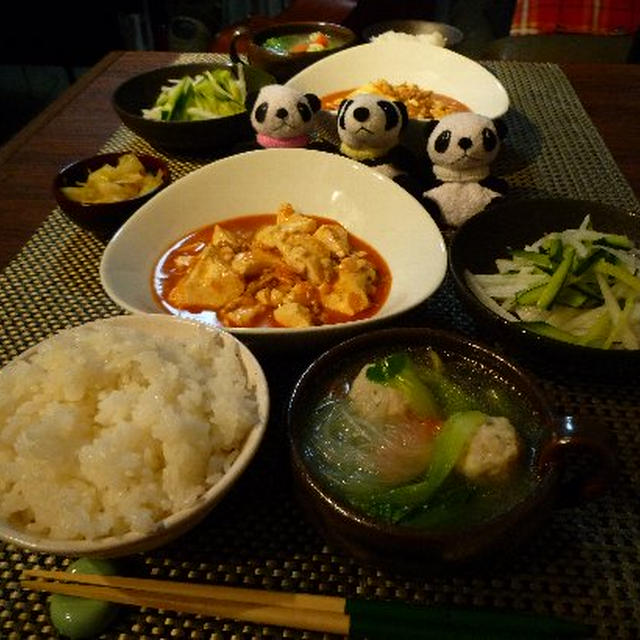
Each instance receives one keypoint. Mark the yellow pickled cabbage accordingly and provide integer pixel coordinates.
(127, 179)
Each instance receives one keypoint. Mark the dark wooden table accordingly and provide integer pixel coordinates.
(81, 120)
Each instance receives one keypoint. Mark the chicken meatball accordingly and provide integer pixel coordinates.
(491, 451)
(374, 401)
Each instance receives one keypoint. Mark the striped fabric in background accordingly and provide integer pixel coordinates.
(597, 17)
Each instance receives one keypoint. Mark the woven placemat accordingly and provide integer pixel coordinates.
(585, 562)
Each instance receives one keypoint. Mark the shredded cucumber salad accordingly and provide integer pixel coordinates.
(212, 94)
(578, 285)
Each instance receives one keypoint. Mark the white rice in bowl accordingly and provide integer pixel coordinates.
(108, 428)
(391, 37)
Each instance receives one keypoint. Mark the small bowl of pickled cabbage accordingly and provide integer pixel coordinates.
(191, 108)
(418, 449)
(100, 192)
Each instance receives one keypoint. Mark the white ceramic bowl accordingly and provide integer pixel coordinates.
(450, 35)
(367, 204)
(428, 66)
(177, 523)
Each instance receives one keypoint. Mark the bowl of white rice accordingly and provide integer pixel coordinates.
(439, 34)
(119, 435)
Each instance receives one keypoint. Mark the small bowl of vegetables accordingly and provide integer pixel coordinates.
(556, 281)
(191, 108)
(419, 450)
(101, 192)
(285, 49)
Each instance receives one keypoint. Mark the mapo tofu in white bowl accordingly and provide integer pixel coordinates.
(278, 244)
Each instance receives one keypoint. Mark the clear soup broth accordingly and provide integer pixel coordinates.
(425, 439)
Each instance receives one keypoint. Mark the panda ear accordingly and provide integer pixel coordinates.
(404, 114)
(501, 127)
(429, 126)
(314, 101)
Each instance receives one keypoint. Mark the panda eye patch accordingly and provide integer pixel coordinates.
(442, 141)
(489, 139)
(390, 113)
(261, 112)
(342, 110)
(304, 111)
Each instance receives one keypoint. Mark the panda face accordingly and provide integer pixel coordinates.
(368, 121)
(283, 112)
(464, 141)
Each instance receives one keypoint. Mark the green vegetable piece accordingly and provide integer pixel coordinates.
(572, 297)
(455, 433)
(615, 240)
(216, 86)
(557, 279)
(542, 260)
(275, 44)
(398, 371)
(184, 101)
(211, 94)
(76, 617)
(568, 295)
(553, 247)
(591, 291)
(229, 84)
(171, 103)
(530, 296)
(598, 332)
(451, 504)
(620, 326)
(449, 395)
(549, 331)
(584, 264)
(620, 272)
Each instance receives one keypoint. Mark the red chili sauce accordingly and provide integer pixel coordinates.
(425, 106)
(168, 272)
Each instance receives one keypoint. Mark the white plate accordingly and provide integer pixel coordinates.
(428, 66)
(369, 205)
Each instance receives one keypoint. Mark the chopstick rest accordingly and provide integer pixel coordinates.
(355, 618)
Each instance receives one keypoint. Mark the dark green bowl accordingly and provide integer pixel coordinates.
(141, 91)
(488, 235)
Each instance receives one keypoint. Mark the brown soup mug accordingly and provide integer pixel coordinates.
(562, 441)
(285, 65)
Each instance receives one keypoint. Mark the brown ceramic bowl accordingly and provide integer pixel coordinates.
(282, 64)
(104, 219)
(425, 548)
(201, 136)
(487, 236)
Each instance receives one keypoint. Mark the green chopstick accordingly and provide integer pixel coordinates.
(355, 618)
(390, 620)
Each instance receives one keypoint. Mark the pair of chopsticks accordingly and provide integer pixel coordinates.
(356, 618)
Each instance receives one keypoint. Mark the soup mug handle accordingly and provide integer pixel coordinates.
(240, 32)
(580, 436)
